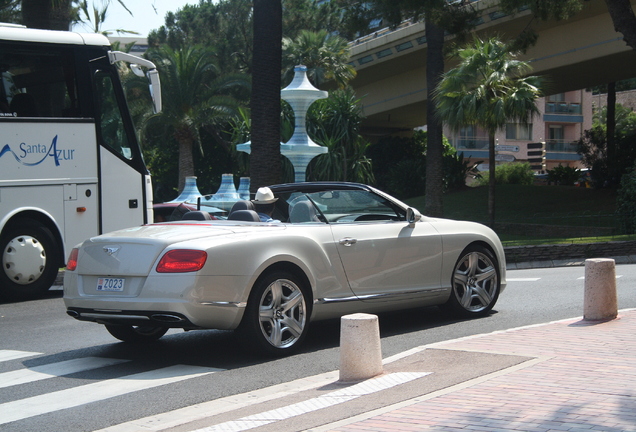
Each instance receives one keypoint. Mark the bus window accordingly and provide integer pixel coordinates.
(111, 123)
(37, 83)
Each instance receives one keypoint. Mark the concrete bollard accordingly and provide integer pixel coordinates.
(600, 302)
(360, 352)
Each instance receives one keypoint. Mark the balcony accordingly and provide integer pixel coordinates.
(561, 146)
(563, 108)
(476, 143)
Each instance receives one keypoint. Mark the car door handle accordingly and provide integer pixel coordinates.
(348, 241)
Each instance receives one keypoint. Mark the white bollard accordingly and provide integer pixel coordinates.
(600, 303)
(360, 351)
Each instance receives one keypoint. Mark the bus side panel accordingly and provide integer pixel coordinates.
(51, 168)
(47, 152)
(45, 200)
(122, 193)
(81, 213)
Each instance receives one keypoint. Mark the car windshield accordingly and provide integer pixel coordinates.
(341, 206)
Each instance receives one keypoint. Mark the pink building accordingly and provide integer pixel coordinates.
(561, 121)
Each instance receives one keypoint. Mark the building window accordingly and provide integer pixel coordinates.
(471, 137)
(519, 131)
(559, 97)
(555, 133)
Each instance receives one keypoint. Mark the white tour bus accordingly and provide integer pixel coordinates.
(70, 163)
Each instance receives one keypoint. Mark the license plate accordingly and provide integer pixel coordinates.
(110, 284)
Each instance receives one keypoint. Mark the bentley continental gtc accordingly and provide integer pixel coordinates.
(329, 249)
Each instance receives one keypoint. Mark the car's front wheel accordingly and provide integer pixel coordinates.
(277, 314)
(128, 333)
(475, 282)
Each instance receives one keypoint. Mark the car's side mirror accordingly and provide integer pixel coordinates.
(412, 215)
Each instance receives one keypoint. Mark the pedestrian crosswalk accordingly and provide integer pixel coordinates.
(6, 355)
(24, 408)
(37, 373)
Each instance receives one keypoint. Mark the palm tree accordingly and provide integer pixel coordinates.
(95, 18)
(52, 14)
(487, 89)
(194, 96)
(10, 11)
(325, 55)
(335, 123)
(265, 160)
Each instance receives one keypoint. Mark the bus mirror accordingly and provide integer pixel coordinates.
(155, 89)
(137, 70)
(153, 75)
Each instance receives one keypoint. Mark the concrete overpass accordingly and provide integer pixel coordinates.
(578, 53)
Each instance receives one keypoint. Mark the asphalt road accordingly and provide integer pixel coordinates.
(186, 368)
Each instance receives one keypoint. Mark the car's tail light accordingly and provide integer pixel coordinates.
(71, 265)
(182, 261)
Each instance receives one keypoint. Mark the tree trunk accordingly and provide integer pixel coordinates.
(265, 159)
(491, 181)
(43, 14)
(624, 20)
(611, 131)
(434, 189)
(186, 159)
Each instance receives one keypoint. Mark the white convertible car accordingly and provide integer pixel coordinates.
(339, 248)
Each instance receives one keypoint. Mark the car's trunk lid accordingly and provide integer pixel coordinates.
(133, 251)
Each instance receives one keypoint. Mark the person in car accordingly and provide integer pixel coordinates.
(264, 204)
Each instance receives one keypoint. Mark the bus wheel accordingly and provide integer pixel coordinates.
(29, 265)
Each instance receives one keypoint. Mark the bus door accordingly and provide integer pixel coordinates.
(122, 172)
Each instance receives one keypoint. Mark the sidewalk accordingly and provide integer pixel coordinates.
(580, 376)
(568, 375)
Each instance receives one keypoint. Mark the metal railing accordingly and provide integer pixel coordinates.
(561, 145)
(563, 108)
(476, 143)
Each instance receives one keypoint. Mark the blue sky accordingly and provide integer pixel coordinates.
(147, 14)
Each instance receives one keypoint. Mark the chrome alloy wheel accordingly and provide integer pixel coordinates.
(282, 313)
(476, 281)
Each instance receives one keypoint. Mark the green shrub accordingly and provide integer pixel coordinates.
(563, 175)
(511, 173)
(626, 203)
(407, 178)
(457, 169)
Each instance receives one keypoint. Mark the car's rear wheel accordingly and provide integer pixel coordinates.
(475, 282)
(277, 314)
(128, 333)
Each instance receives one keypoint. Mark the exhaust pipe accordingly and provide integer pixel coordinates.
(72, 313)
(167, 318)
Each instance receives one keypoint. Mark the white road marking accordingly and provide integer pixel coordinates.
(77, 396)
(6, 355)
(37, 373)
(364, 388)
(181, 416)
(522, 279)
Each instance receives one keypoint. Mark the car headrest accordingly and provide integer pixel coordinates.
(244, 215)
(196, 215)
(242, 205)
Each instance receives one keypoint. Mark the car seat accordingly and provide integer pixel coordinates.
(303, 211)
